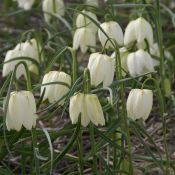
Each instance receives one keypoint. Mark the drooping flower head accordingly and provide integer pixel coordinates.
(88, 107)
(21, 111)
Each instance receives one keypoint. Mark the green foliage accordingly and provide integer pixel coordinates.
(56, 146)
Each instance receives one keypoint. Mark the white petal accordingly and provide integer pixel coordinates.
(14, 109)
(75, 107)
(29, 107)
(54, 7)
(94, 109)
(129, 36)
(114, 32)
(77, 38)
(109, 73)
(83, 21)
(84, 113)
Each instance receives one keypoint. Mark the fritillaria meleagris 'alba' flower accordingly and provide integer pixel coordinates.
(114, 32)
(55, 92)
(21, 111)
(138, 30)
(139, 103)
(25, 49)
(84, 21)
(84, 37)
(9, 67)
(52, 7)
(30, 48)
(88, 106)
(101, 69)
(139, 62)
(25, 4)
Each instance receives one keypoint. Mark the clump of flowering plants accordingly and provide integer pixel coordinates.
(87, 87)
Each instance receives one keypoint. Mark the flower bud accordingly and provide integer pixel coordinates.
(34, 69)
(139, 103)
(88, 106)
(83, 38)
(21, 111)
(101, 69)
(139, 62)
(26, 5)
(55, 92)
(51, 8)
(138, 30)
(83, 21)
(114, 32)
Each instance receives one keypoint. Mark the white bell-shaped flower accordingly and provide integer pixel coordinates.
(9, 67)
(52, 8)
(89, 107)
(139, 103)
(101, 69)
(54, 92)
(114, 32)
(29, 49)
(84, 37)
(25, 4)
(139, 62)
(84, 21)
(21, 111)
(137, 31)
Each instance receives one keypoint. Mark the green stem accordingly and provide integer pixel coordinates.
(23, 161)
(33, 132)
(5, 85)
(124, 113)
(16, 84)
(87, 88)
(160, 43)
(80, 152)
(35, 147)
(74, 64)
(86, 81)
(28, 79)
(79, 138)
(92, 139)
(108, 155)
(114, 135)
(150, 159)
(162, 111)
